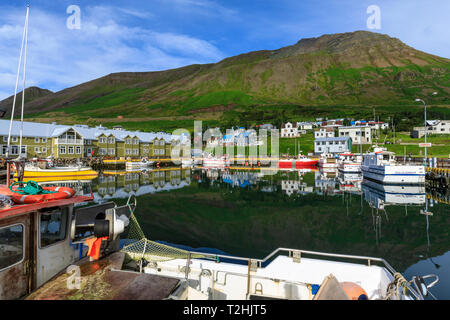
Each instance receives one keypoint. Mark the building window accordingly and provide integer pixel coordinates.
(135, 151)
(102, 151)
(53, 227)
(44, 140)
(44, 149)
(111, 140)
(37, 150)
(36, 140)
(14, 139)
(111, 151)
(12, 240)
(78, 150)
(136, 141)
(70, 150)
(62, 149)
(5, 139)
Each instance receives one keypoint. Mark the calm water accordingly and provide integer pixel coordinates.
(251, 213)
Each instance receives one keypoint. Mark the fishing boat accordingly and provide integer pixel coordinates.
(211, 161)
(381, 166)
(327, 160)
(297, 163)
(137, 165)
(349, 163)
(45, 172)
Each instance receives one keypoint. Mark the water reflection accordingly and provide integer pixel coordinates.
(251, 213)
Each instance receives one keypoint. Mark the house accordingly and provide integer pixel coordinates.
(324, 133)
(332, 145)
(433, 127)
(305, 125)
(358, 134)
(42, 140)
(289, 130)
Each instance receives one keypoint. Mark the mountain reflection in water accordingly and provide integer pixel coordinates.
(251, 213)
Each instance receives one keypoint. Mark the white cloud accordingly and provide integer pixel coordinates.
(59, 57)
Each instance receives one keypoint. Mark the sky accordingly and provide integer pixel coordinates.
(66, 49)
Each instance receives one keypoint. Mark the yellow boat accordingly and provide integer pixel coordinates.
(58, 173)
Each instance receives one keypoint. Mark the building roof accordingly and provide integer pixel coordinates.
(46, 130)
(333, 139)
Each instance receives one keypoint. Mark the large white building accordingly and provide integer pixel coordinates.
(332, 145)
(433, 127)
(358, 134)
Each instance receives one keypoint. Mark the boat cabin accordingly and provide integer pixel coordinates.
(39, 240)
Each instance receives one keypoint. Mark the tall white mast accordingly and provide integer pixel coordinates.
(17, 83)
(24, 77)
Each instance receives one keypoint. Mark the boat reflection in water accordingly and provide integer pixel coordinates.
(379, 195)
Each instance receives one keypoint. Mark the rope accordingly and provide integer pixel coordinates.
(394, 287)
(31, 188)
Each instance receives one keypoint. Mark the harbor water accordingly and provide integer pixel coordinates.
(251, 212)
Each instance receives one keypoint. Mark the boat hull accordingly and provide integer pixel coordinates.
(349, 167)
(58, 174)
(394, 174)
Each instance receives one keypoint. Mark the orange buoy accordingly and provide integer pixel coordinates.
(60, 193)
(354, 291)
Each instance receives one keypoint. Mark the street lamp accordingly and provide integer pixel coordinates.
(425, 117)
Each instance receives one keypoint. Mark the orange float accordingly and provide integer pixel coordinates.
(59, 193)
(354, 291)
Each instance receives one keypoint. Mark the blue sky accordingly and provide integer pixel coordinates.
(138, 35)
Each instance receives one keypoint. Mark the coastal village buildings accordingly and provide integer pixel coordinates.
(289, 130)
(433, 127)
(43, 140)
(324, 133)
(332, 145)
(358, 134)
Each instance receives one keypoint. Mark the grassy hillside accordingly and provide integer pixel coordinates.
(334, 75)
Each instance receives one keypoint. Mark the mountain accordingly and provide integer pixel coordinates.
(31, 94)
(355, 69)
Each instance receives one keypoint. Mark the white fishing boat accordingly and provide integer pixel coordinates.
(382, 167)
(349, 163)
(137, 165)
(327, 161)
(211, 161)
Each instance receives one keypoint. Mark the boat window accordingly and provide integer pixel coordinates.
(53, 227)
(11, 245)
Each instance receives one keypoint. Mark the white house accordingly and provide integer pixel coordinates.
(324, 133)
(332, 145)
(305, 125)
(358, 134)
(289, 130)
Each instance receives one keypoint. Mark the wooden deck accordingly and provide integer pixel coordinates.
(103, 280)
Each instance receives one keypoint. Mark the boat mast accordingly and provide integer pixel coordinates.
(24, 78)
(17, 83)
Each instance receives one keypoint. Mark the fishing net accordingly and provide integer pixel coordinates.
(138, 247)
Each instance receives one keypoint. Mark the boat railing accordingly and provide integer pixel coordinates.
(296, 254)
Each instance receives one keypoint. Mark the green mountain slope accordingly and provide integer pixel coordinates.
(332, 73)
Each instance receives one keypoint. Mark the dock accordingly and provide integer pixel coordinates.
(437, 178)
